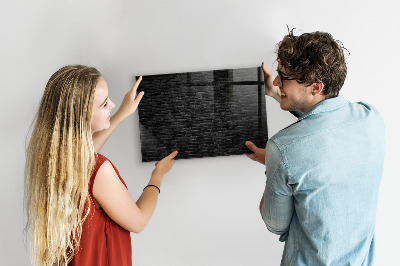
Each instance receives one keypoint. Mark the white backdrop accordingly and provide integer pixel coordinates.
(208, 208)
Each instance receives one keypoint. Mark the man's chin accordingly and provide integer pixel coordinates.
(285, 108)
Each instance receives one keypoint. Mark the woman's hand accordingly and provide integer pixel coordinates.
(128, 107)
(270, 89)
(131, 101)
(163, 166)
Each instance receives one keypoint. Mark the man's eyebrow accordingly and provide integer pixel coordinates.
(283, 74)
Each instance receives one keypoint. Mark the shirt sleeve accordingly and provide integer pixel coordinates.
(277, 209)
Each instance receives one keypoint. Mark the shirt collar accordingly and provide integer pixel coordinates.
(325, 106)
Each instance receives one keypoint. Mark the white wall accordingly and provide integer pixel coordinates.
(208, 209)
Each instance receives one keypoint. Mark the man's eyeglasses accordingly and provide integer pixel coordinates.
(282, 78)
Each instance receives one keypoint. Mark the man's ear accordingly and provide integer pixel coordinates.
(317, 88)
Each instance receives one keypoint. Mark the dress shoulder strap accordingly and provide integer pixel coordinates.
(100, 159)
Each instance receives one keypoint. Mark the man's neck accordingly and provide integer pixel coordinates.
(316, 100)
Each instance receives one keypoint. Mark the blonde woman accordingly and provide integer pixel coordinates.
(79, 211)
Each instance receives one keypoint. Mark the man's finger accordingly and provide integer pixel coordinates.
(251, 146)
(265, 69)
(251, 156)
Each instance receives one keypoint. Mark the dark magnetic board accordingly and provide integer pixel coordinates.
(202, 114)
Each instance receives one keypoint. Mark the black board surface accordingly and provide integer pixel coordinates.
(202, 114)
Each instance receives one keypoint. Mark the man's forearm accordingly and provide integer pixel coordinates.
(276, 96)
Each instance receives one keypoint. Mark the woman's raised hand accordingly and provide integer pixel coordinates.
(131, 101)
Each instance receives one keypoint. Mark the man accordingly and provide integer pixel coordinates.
(323, 171)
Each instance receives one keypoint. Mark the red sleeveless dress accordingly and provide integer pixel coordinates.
(103, 241)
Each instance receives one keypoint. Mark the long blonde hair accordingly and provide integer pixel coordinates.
(59, 162)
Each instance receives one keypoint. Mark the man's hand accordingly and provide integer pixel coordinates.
(270, 89)
(258, 155)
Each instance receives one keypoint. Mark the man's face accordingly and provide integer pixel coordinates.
(294, 96)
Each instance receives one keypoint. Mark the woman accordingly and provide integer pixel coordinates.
(78, 207)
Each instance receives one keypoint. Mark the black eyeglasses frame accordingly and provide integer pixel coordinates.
(282, 78)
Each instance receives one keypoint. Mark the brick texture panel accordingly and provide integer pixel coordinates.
(202, 114)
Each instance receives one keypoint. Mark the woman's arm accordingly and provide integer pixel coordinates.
(128, 107)
(116, 201)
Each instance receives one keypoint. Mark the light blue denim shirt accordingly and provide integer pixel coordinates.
(323, 176)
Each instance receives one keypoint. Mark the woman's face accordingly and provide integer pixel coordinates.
(102, 106)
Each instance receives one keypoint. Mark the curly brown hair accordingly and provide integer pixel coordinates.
(314, 57)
